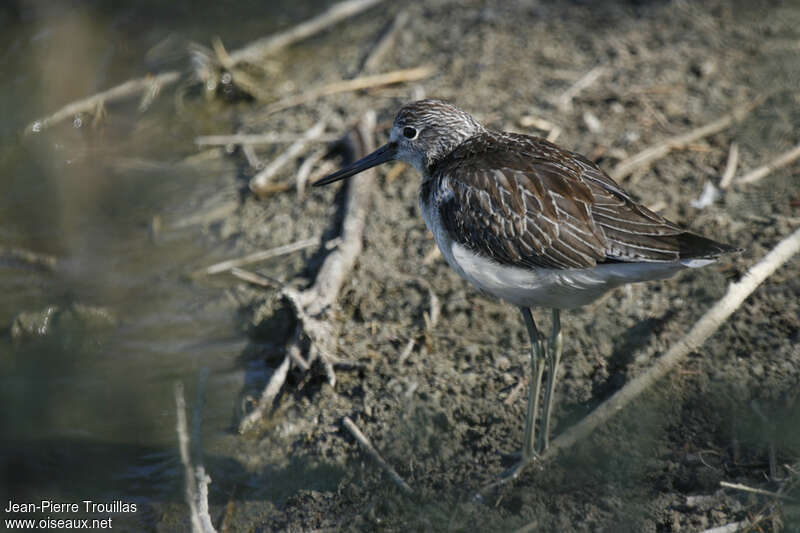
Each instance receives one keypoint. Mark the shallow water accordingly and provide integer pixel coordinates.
(88, 410)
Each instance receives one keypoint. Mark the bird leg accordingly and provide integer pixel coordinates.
(553, 359)
(537, 369)
(538, 359)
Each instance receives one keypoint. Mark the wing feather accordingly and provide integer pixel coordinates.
(522, 201)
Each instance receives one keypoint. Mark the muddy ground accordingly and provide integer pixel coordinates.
(440, 416)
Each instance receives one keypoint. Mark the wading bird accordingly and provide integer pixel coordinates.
(532, 224)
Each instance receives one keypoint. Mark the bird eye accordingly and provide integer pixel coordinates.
(409, 132)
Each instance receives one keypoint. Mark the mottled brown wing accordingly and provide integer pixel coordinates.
(525, 202)
(633, 232)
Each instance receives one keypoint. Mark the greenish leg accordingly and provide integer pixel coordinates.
(553, 360)
(537, 369)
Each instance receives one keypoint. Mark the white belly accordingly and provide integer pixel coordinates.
(541, 287)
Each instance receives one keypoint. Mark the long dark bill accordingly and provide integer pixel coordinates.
(381, 155)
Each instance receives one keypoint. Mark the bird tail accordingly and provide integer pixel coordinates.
(695, 250)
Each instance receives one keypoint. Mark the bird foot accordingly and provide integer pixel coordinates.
(506, 477)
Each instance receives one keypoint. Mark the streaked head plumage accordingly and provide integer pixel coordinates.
(425, 131)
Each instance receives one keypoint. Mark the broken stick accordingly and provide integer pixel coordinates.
(564, 101)
(357, 84)
(244, 139)
(375, 57)
(730, 166)
(764, 170)
(373, 453)
(93, 103)
(258, 256)
(257, 50)
(260, 182)
(196, 480)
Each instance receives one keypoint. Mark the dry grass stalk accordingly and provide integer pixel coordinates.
(376, 54)
(36, 259)
(764, 170)
(564, 102)
(259, 184)
(258, 256)
(730, 166)
(268, 395)
(196, 480)
(304, 172)
(753, 490)
(373, 453)
(357, 84)
(258, 50)
(255, 279)
(244, 139)
(97, 101)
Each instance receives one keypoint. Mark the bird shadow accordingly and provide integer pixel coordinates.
(625, 352)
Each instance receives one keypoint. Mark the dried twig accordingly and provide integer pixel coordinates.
(196, 480)
(252, 158)
(260, 181)
(432, 318)
(203, 481)
(406, 351)
(37, 259)
(325, 168)
(365, 82)
(647, 156)
(385, 42)
(745, 488)
(269, 394)
(303, 173)
(93, 103)
(564, 101)
(553, 134)
(257, 50)
(531, 121)
(373, 453)
(243, 139)
(764, 170)
(704, 328)
(730, 167)
(258, 256)
(256, 279)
